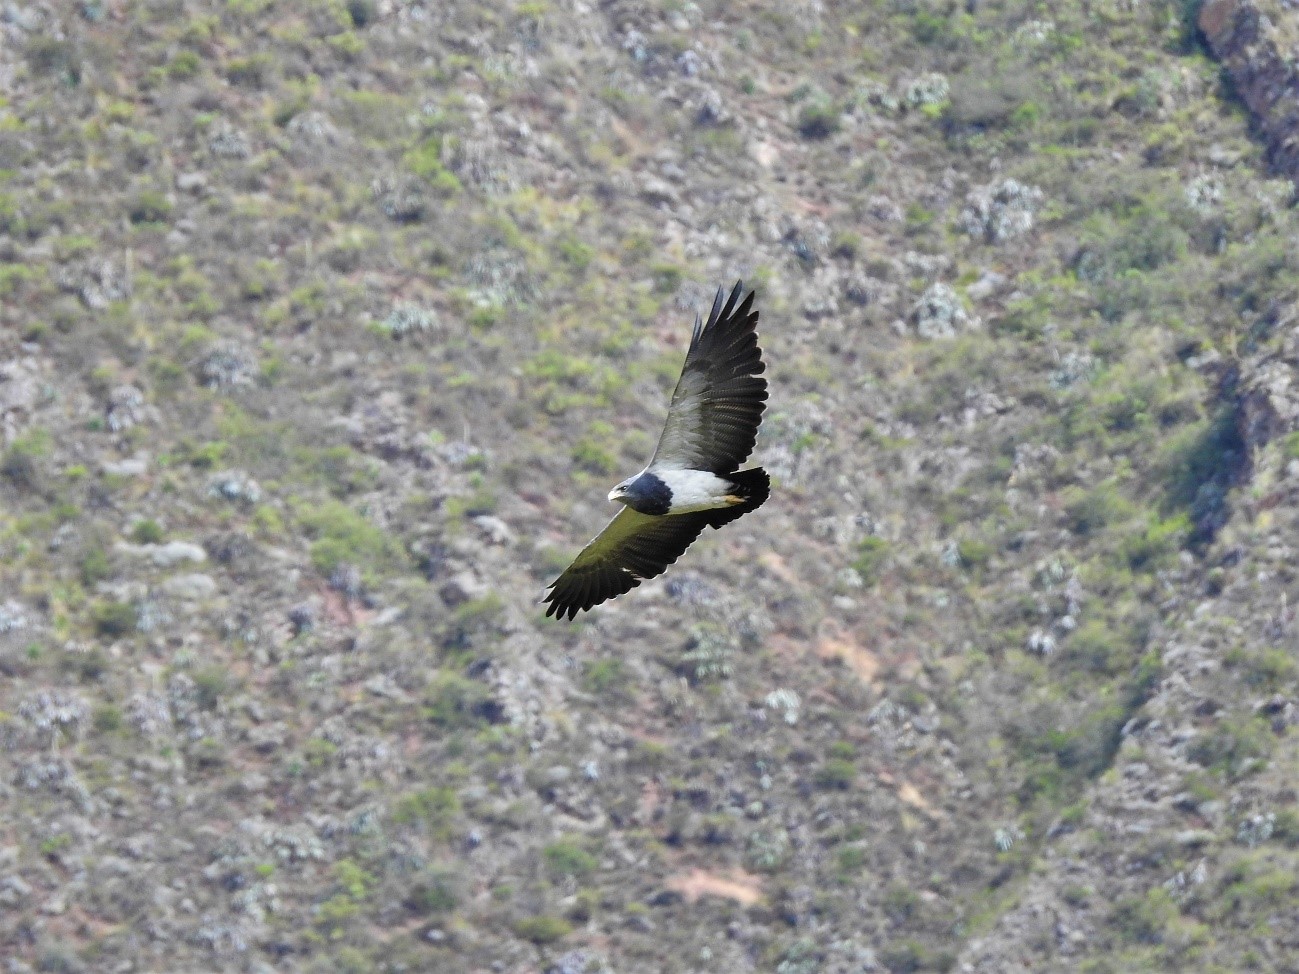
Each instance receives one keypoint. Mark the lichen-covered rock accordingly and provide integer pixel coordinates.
(126, 408)
(13, 616)
(234, 485)
(932, 88)
(165, 555)
(52, 711)
(1269, 402)
(226, 365)
(1001, 211)
(312, 129)
(20, 385)
(97, 283)
(940, 313)
(227, 141)
(407, 318)
(1204, 193)
(190, 587)
(402, 199)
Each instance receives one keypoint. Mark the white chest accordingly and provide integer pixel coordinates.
(695, 490)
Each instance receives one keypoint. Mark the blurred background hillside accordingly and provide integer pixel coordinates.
(325, 327)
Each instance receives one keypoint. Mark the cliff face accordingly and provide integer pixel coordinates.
(1141, 815)
(324, 330)
(1257, 41)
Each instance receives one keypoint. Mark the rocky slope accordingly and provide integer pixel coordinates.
(1256, 42)
(326, 328)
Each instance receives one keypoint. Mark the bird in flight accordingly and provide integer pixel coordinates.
(693, 480)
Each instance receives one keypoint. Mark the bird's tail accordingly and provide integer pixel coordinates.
(753, 486)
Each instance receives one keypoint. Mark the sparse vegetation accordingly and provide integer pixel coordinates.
(326, 327)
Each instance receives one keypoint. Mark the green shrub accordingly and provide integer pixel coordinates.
(354, 880)
(147, 531)
(94, 566)
(851, 859)
(1089, 511)
(113, 619)
(1099, 646)
(818, 118)
(1161, 538)
(434, 807)
(339, 469)
(988, 99)
(909, 956)
(210, 684)
(149, 206)
(20, 464)
(901, 903)
(973, 553)
(836, 773)
(482, 501)
(336, 912)
(425, 161)
(457, 702)
(1143, 919)
(872, 552)
(48, 55)
(1286, 827)
(107, 718)
(589, 454)
(253, 71)
(1089, 745)
(1204, 455)
(604, 677)
(186, 64)
(1233, 746)
(574, 253)
(543, 929)
(343, 535)
(566, 857)
(1266, 669)
(434, 892)
(205, 456)
(845, 244)
(667, 278)
(318, 752)
(1263, 890)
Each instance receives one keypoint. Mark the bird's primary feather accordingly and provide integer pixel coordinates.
(632, 547)
(717, 405)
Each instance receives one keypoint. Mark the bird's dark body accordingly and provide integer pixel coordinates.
(648, 494)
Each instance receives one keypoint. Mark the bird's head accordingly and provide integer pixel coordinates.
(621, 493)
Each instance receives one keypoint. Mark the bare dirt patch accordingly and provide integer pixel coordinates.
(736, 884)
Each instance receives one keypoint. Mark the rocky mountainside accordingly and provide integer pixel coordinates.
(326, 327)
(1257, 42)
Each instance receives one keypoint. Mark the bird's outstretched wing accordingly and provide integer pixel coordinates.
(631, 547)
(713, 421)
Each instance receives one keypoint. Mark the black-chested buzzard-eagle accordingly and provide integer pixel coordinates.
(693, 480)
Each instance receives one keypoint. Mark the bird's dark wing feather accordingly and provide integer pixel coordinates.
(631, 547)
(713, 421)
